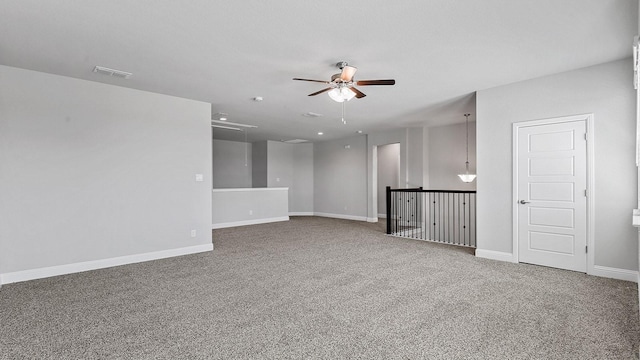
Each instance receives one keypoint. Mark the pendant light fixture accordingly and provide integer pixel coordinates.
(466, 177)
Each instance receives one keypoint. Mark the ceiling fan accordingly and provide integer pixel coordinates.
(341, 86)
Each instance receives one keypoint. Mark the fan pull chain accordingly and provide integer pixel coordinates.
(343, 120)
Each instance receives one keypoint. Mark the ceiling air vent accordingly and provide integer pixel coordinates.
(112, 72)
(295, 141)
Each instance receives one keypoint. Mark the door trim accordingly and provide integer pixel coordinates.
(589, 122)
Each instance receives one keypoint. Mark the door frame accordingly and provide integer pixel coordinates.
(589, 122)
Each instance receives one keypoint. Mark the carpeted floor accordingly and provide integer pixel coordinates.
(321, 288)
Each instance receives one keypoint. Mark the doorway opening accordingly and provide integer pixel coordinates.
(388, 174)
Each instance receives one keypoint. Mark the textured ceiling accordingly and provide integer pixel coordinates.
(227, 52)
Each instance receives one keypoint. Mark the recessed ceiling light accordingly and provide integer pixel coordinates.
(359, 131)
(223, 118)
(320, 133)
(312, 114)
(258, 98)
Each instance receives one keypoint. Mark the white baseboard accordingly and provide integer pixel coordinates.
(602, 271)
(615, 273)
(372, 220)
(249, 222)
(46, 272)
(384, 216)
(342, 216)
(495, 255)
(301, 214)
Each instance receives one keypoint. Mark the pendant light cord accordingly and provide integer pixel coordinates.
(467, 163)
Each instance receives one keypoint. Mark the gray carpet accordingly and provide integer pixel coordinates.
(320, 288)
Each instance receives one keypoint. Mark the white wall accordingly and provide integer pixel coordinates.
(388, 173)
(90, 171)
(232, 166)
(606, 91)
(340, 178)
(447, 155)
(301, 191)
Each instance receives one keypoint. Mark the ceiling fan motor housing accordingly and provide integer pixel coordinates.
(336, 78)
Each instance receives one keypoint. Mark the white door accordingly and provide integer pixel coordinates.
(551, 165)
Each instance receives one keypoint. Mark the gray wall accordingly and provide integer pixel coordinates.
(301, 191)
(232, 164)
(259, 164)
(340, 177)
(291, 166)
(388, 173)
(237, 207)
(447, 155)
(411, 161)
(604, 90)
(414, 155)
(90, 171)
(425, 159)
(279, 164)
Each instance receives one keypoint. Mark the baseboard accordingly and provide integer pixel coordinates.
(494, 255)
(341, 216)
(384, 216)
(46, 272)
(249, 222)
(372, 220)
(301, 214)
(615, 273)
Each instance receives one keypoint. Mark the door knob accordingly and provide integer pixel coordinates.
(523, 202)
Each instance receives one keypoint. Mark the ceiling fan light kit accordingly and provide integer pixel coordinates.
(341, 94)
(347, 71)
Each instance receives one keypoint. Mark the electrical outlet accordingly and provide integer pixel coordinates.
(193, 233)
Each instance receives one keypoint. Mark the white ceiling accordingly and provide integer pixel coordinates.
(227, 52)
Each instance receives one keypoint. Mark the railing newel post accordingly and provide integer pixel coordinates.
(388, 209)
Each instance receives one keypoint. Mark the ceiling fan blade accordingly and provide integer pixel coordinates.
(320, 92)
(375, 82)
(320, 81)
(359, 94)
(347, 73)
